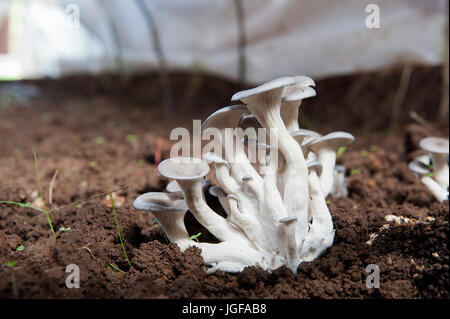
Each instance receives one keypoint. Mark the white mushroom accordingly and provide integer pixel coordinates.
(325, 148)
(173, 188)
(169, 210)
(422, 171)
(292, 98)
(439, 149)
(189, 173)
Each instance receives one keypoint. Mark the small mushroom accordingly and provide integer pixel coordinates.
(301, 134)
(189, 173)
(290, 106)
(439, 149)
(325, 148)
(422, 171)
(292, 98)
(169, 210)
(173, 188)
(339, 188)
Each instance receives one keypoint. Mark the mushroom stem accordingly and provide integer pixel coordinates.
(240, 164)
(289, 114)
(327, 157)
(438, 192)
(173, 225)
(224, 178)
(321, 233)
(245, 222)
(169, 210)
(295, 189)
(216, 224)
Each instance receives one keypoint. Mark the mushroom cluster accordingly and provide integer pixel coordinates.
(272, 179)
(432, 168)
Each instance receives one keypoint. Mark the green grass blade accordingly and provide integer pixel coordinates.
(118, 229)
(42, 195)
(21, 205)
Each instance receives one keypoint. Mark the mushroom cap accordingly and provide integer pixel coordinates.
(228, 116)
(306, 144)
(301, 81)
(315, 166)
(173, 187)
(332, 140)
(217, 191)
(268, 86)
(418, 167)
(247, 121)
(214, 158)
(304, 81)
(302, 134)
(299, 94)
(436, 145)
(160, 202)
(288, 220)
(183, 168)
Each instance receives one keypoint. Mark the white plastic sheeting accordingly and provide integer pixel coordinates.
(283, 37)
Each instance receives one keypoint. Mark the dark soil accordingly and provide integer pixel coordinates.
(103, 134)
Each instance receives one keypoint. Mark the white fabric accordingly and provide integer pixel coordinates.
(284, 37)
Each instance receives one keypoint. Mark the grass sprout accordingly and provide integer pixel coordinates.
(118, 229)
(341, 151)
(195, 237)
(47, 214)
(22, 205)
(115, 268)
